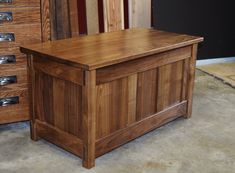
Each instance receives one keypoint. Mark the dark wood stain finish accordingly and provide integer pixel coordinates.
(105, 90)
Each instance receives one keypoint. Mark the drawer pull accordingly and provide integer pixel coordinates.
(6, 1)
(6, 17)
(7, 80)
(9, 101)
(7, 37)
(7, 59)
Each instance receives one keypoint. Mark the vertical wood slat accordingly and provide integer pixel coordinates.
(63, 19)
(126, 13)
(45, 20)
(147, 94)
(170, 85)
(82, 17)
(140, 13)
(73, 16)
(92, 17)
(73, 114)
(101, 15)
(113, 15)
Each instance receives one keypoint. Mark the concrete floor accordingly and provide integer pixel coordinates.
(203, 144)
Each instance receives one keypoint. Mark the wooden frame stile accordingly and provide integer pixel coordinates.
(89, 119)
(31, 82)
(191, 78)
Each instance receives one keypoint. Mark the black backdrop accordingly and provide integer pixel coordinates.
(214, 20)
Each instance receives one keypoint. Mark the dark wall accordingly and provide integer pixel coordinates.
(214, 20)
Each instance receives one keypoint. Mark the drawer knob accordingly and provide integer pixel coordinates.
(6, 80)
(7, 37)
(7, 59)
(9, 101)
(6, 17)
(6, 1)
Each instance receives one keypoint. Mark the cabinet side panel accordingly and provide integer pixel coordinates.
(58, 103)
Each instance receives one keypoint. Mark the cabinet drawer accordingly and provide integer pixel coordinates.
(19, 3)
(13, 79)
(14, 106)
(12, 58)
(26, 15)
(16, 35)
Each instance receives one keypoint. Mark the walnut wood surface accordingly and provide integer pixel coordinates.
(111, 48)
(129, 92)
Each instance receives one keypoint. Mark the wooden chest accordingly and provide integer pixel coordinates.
(92, 94)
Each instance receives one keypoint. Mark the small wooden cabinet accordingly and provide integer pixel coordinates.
(21, 22)
(92, 94)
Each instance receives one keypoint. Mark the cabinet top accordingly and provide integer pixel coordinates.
(96, 51)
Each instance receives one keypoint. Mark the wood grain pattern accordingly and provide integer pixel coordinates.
(73, 17)
(24, 15)
(58, 137)
(113, 15)
(24, 34)
(110, 73)
(55, 105)
(20, 73)
(16, 112)
(20, 3)
(30, 25)
(96, 51)
(59, 70)
(191, 78)
(45, 20)
(89, 119)
(139, 128)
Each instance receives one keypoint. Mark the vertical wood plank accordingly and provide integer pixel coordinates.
(48, 99)
(92, 16)
(191, 78)
(62, 19)
(113, 15)
(73, 114)
(58, 103)
(164, 84)
(82, 19)
(176, 83)
(45, 20)
(147, 94)
(73, 16)
(101, 15)
(38, 88)
(89, 118)
(132, 96)
(185, 79)
(102, 110)
(140, 13)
